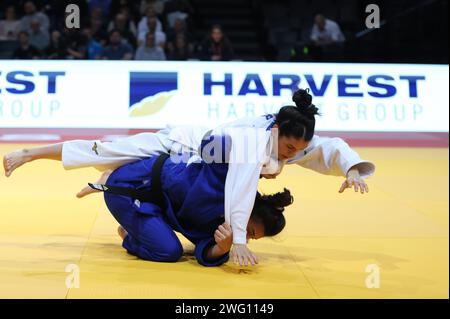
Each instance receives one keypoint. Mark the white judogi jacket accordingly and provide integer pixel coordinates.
(330, 156)
(252, 136)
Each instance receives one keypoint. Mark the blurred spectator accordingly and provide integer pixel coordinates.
(177, 9)
(130, 6)
(178, 29)
(150, 50)
(160, 37)
(131, 17)
(143, 24)
(10, 27)
(128, 21)
(98, 31)
(94, 47)
(179, 43)
(327, 38)
(157, 4)
(57, 48)
(180, 50)
(126, 28)
(25, 49)
(103, 5)
(38, 38)
(98, 22)
(76, 44)
(216, 47)
(117, 50)
(326, 32)
(32, 14)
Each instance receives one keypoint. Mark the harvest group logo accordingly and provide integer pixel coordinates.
(150, 91)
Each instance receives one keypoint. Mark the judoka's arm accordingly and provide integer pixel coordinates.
(332, 156)
(240, 191)
(241, 186)
(208, 254)
(214, 252)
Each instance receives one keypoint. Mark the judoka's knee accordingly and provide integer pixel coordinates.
(171, 252)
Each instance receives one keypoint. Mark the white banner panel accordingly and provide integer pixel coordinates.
(132, 94)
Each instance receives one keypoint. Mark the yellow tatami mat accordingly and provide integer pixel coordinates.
(400, 229)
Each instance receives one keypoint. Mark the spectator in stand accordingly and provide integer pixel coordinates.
(179, 44)
(57, 48)
(25, 50)
(38, 38)
(32, 14)
(117, 50)
(143, 24)
(180, 50)
(130, 6)
(103, 5)
(122, 24)
(98, 31)
(128, 21)
(130, 17)
(76, 44)
(94, 47)
(327, 38)
(150, 50)
(160, 37)
(178, 29)
(157, 4)
(216, 47)
(10, 26)
(177, 9)
(97, 13)
(326, 32)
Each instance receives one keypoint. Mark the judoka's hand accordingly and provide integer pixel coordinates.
(224, 237)
(243, 256)
(354, 180)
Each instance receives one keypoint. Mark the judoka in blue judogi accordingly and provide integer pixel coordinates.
(193, 205)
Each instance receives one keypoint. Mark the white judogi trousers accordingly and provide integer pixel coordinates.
(105, 155)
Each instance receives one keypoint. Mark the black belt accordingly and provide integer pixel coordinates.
(155, 195)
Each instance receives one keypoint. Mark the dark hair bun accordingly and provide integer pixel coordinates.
(302, 98)
(303, 101)
(279, 200)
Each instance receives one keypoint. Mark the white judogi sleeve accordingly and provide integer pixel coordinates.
(332, 156)
(251, 136)
(250, 150)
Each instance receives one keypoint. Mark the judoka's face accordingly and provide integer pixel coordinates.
(255, 229)
(289, 146)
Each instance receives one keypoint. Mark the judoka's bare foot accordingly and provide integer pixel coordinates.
(88, 190)
(13, 160)
(122, 232)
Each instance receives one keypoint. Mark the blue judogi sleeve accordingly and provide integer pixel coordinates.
(200, 251)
